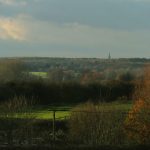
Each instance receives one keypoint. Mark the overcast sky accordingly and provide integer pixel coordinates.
(75, 28)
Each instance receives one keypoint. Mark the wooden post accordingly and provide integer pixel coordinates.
(54, 125)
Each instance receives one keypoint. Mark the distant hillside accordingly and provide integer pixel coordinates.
(80, 64)
(85, 69)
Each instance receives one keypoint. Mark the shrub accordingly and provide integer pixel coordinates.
(137, 123)
(16, 120)
(94, 125)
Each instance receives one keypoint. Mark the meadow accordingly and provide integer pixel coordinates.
(63, 112)
(39, 74)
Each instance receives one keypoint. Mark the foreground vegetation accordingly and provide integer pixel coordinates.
(88, 124)
(136, 147)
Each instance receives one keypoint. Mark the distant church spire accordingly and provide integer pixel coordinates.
(109, 56)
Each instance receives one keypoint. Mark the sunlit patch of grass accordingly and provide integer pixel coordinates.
(40, 113)
(39, 74)
(62, 112)
(49, 115)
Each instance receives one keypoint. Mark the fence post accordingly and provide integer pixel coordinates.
(54, 111)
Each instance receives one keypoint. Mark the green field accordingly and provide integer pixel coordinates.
(42, 114)
(39, 74)
(63, 112)
(39, 112)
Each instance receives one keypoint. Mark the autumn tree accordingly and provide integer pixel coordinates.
(137, 123)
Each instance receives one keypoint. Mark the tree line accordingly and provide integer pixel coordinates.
(15, 80)
(53, 93)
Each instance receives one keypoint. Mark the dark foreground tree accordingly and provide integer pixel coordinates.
(12, 69)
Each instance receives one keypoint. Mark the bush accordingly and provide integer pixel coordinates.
(12, 122)
(137, 124)
(92, 125)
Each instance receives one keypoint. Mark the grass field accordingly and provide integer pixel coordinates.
(47, 112)
(62, 112)
(39, 74)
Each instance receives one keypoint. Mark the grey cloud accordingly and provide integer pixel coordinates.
(123, 14)
(75, 34)
(13, 2)
(117, 14)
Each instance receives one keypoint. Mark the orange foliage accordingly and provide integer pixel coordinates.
(137, 123)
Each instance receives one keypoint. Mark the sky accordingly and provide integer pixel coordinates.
(75, 28)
